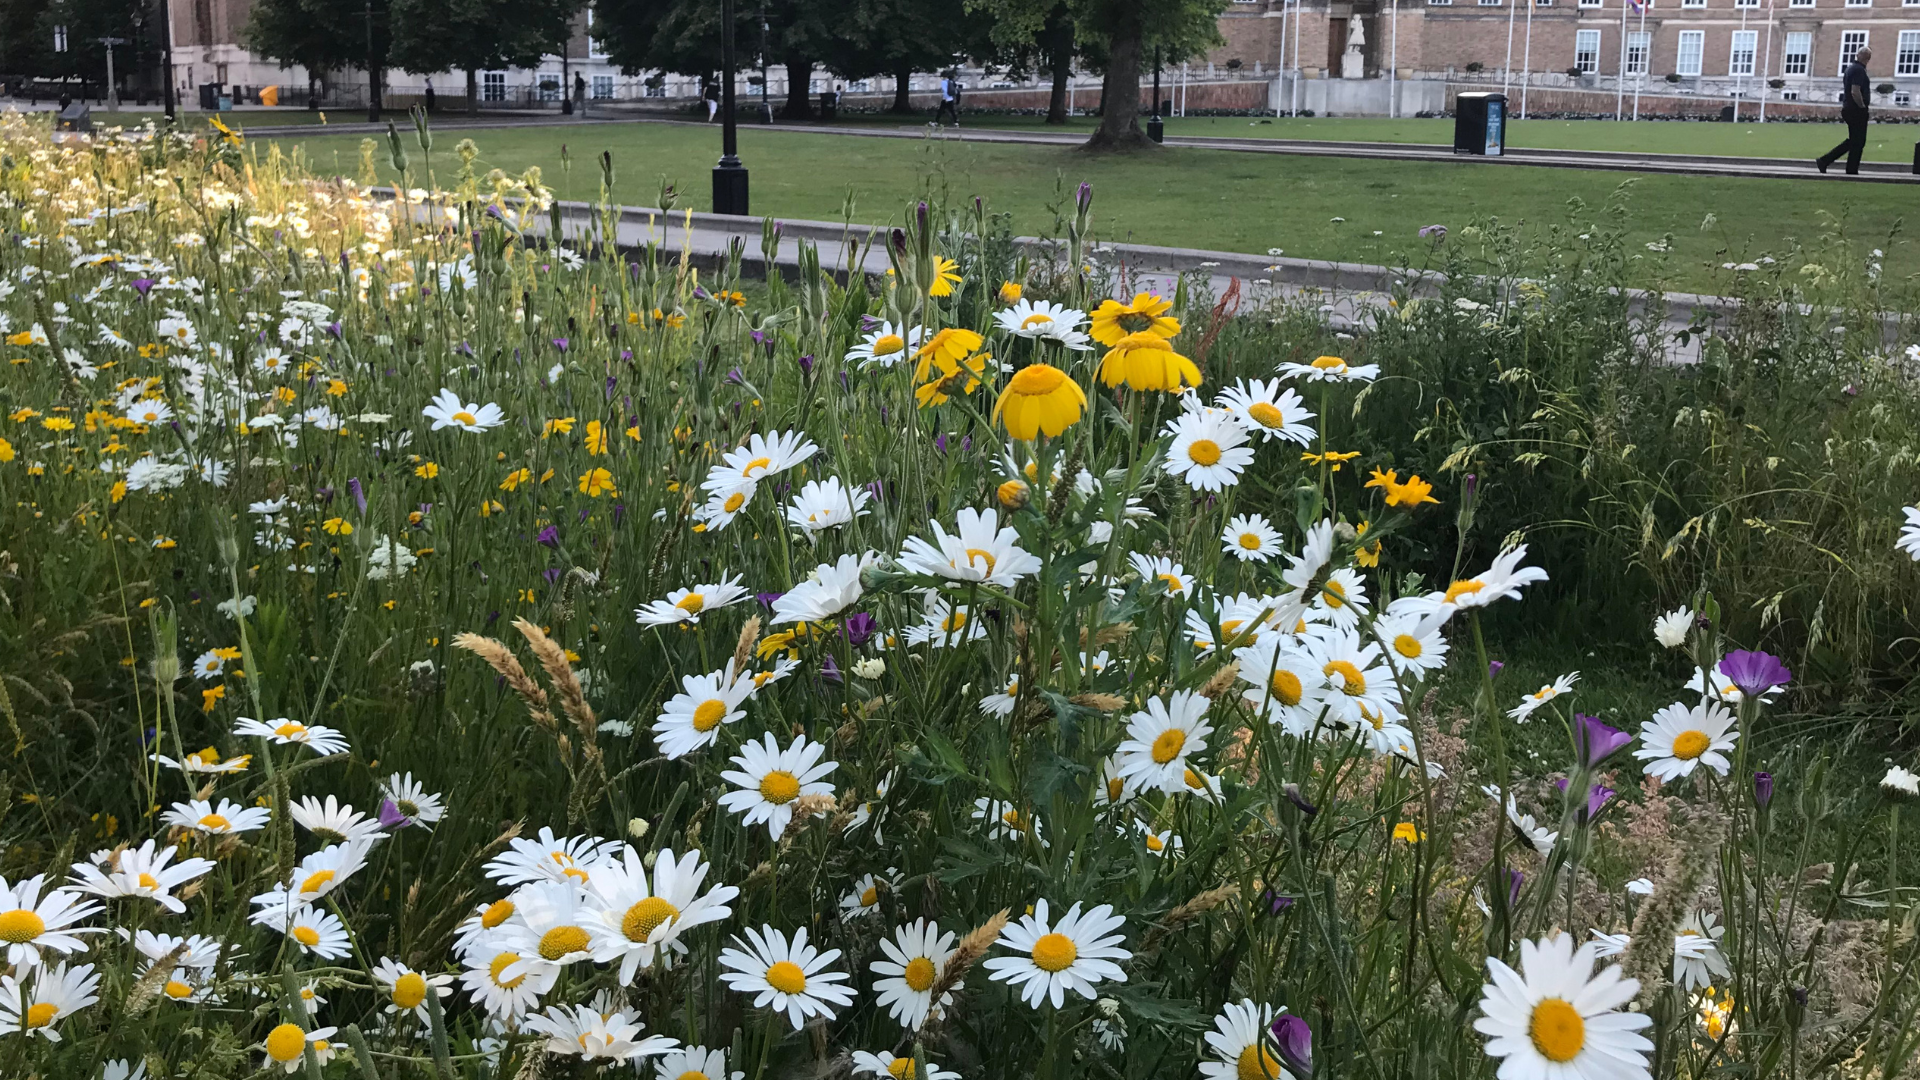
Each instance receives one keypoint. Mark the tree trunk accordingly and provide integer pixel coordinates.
(901, 81)
(1060, 55)
(799, 94)
(1120, 92)
(473, 92)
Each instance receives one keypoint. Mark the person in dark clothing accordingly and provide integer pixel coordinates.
(430, 96)
(1854, 91)
(949, 98)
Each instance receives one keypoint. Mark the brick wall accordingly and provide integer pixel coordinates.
(1598, 102)
(1242, 95)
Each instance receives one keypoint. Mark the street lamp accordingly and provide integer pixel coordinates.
(166, 45)
(113, 88)
(729, 176)
(1155, 129)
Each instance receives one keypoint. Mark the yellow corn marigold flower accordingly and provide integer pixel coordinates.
(1409, 832)
(211, 697)
(1147, 361)
(6, 454)
(117, 492)
(337, 527)
(1410, 494)
(1147, 314)
(952, 345)
(950, 377)
(1013, 494)
(1366, 555)
(24, 337)
(427, 471)
(1011, 291)
(1333, 458)
(597, 482)
(23, 414)
(1039, 399)
(596, 438)
(559, 426)
(57, 423)
(515, 479)
(944, 277)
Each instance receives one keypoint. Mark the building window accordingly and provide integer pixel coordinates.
(1693, 3)
(1798, 54)
(59, 39)
(1740, 57)
(548, 83)
(1591, 3)
(595, 50)
(1693, 44)
(1859, 3)
(1902, 99)
(493, 86)
(1440, 3)
(1639, 47)
(603, 88)
(1906, 57)
(1851, 41)
(1799, 3)
(1489, 3)
(1586, 51)
(1746, 3)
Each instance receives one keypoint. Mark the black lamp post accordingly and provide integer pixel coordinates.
(166, 45)
(1155, 129)
(729, 176)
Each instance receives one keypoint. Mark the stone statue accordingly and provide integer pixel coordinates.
(1353, 62)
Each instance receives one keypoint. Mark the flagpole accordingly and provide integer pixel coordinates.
(1647, 60)
(1296, 56)
(1526, 60)
(1766, 63)
(1740, 81)
(1286, 7)
(1506, 72)
(1393, 64)
(1620, 72)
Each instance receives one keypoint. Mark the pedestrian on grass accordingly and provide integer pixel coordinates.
(710, 94)
(429, 95)
(1853, 113)
(949, 98)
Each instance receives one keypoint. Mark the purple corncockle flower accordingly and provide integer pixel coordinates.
(1754, 673)
(1597, 741)
(560, 343)
(845, 386)
(1276, 903)
(966, 443)
(142, 285)
(1083, 197)
(1762, 789)
(940, 442)
(1494, 667)
(391, 818)
(699, 293)
(767, 598)
(549, 536)
(899, 239)
(325, 494)
(1597, 797)
(806, 366)
(1514, 879)
(869, 323)
(860, 628)
(619, 513)
(612, 381)
(1433, 232)
(830, 671)
(552, 574)
(736, 376)
(1295, 1040)
(335, 329)
(359, 494)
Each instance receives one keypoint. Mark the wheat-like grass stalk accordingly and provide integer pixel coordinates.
(560, 673)
(501, 660)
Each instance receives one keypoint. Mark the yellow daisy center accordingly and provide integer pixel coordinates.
(1463, 588)
(780, 787)
(42, 1014)
(497, 912)
(1035, 319)
(984, 556)
(286, 1042)
(643, 918)
(1557, 1030)
(900, 1068)
(1055, 952)
(919, 974)
(708, 715)
(1408, 646)
(692, 603)
(1334, 594)
(1154, 843)
(954, 622)
(787, 977)
(290, 730)
(1285, 687)
(147, 881)
(1168, 745)
(888, 344)
(870, 896)
(1257, 1063)
(215, 823)
(177, 990)
(756, 465)
(1174, 584)
(562, 940)
(693, 1074)
(1690, 744)
(1116, 787)
(316, 881)
(1195, 780)
(409, 990)
(1250, 541)
(306, 935)
(1352, 683)
(1204, 452)
(734, 502)
(466, 418)
(500, 964)
(1329, 363)
(1266, 415)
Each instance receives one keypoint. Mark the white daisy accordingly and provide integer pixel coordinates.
(867, 893)
(695, 1063)
(978, 550)
(916, 954)
(1362, 689)
(1411, 644)
(1719, 687)
(549, 858)
(793, 979)
(1341, 598)
(318, 932)
(827, 504)
(687, 605)
(886, 1064)
(1287, 686)
(1161, 739)
(770, 779)
(1110, 789)
(1075, 953)
(286, 1047)
(208, 665)
(1530, 702)
(406, 990)
(583, 1031)
(1159, 572)
(1605, 945)
(412, 800)
(886, 345)
(149, 411)
(1557, 1020)
(229, 817)
(1241, 1045)
(1209, 450)
(1001, 704)
(1250, 538)
(639, 922)
(141, 871)
(1264, 409)
(506, 997)
(1678, 740)
(315, 876)
(319, 738)
(1697, 958)
(944, 624)
(762, 457)
(447, 410)
(207, 761)
(333, 822)
(1006, 821)
(549, 927)
(830, 589)
(691, 719)
(1041, 319)
(1330, 369)
(1503, 580)
(1672, 629)
(1159, 844)
(58, 992)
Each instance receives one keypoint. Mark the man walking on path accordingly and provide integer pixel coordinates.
(1853, 113)
(949, 98)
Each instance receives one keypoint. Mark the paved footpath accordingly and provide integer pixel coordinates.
(1687, 164)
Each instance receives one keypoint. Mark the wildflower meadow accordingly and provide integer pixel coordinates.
(438, 646)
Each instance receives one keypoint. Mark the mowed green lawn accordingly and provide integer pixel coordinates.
(1322, 208)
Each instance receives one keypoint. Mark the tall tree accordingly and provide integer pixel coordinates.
(30, 29)
(1118, 36)
(325, 35)
(1033, 37)
(472, 35)
(683, 36)
(899, 37)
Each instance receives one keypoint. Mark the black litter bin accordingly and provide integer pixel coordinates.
(829, 105)
(209, 97)
(1480, 124)
(1726, 114)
